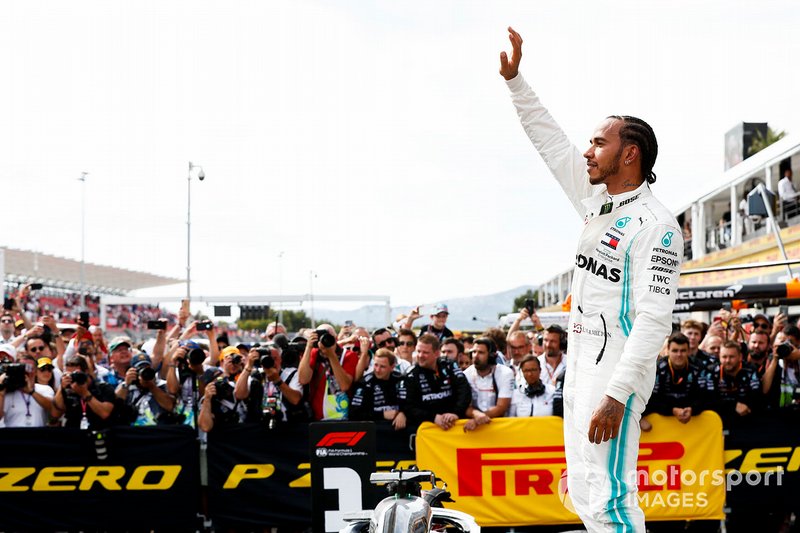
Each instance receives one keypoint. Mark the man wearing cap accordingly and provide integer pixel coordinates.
(144, 393)
(438, 320)
(27, 406)
(184, 366)
(8, 353)
(119, 355)
(84, 402)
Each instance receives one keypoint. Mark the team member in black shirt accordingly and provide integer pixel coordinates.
(681, 388)
(377, 395)
(436, 389)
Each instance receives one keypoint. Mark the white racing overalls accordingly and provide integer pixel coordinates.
(623, 291)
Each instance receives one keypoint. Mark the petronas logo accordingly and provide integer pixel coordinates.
(666, 240)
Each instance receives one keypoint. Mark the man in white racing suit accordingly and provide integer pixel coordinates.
(623, 291)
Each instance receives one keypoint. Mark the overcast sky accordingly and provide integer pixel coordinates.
(372, 142)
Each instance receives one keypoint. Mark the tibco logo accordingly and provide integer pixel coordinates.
(346, 438)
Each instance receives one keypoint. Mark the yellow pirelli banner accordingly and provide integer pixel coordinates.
(512, 472)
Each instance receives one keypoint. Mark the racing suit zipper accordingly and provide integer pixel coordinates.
(605, 337)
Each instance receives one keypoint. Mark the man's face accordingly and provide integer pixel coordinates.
(761, 325)
(86, 347)
(426, 356)
(531, 371)
(552, 344)
(439, 320)
(38, 349)
(450, 351)
(385, 340)
(480, 357)
(272, 330)
(405, 346)
(518, 346)
(382, 368)
(122, 355)
(604, 156)
(730, 360)
(7, 325)
(713, 344)
(758, 345)
(464, 360)
(694, 338)
(678, 354)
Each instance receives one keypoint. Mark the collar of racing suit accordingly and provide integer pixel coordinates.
(594, 203)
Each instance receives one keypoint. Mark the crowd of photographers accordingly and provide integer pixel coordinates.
(189, 374)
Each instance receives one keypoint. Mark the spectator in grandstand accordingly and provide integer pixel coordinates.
(531, 397)
(452, 348)
(519, 347)
(492, 384)
(377, 396)
(438, 323)
(436, 389)
(738, 388)
(83, 401)
(272, 393)
(145, 394)
(681, 389)
(23, 401)
(406, 342)
(788, 194)
(328, 370)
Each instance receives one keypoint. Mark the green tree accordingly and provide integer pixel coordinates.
(519, 301)
(760, 142)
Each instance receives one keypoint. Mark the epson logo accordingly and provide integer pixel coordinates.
(597, 268)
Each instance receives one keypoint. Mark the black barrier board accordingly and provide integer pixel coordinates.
(342, 459)
(256, 476)
(763, 450)
(54, 479)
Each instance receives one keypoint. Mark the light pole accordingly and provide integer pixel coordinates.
(201, 176)
(82, 179)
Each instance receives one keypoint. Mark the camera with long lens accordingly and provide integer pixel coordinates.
(784, 350)
(146, 373)
(325, 338)
(265, 359)
(15, 376)
(79, 378)
(224, 389)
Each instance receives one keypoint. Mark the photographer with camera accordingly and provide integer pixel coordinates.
(144, 394)
(83, 401)
(23, 402)
(205, 327)
(184, 369)
(219, 408)
(272, 393)
(328, 370)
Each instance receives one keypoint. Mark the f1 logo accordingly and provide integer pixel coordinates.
(348, 438)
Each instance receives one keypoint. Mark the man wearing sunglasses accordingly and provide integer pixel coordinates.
(381, 338)
(6, 328)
